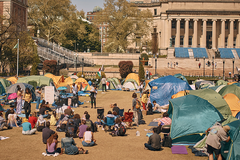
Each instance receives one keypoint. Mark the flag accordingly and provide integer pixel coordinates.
(99, 73)
(16, 46)
(84, 86)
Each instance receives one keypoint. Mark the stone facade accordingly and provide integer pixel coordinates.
(210, 24)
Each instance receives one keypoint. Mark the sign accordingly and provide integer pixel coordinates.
(49, 94)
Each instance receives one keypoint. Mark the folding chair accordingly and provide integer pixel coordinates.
(165, 130)
(100, 113)
(110, 122)
(128, 116)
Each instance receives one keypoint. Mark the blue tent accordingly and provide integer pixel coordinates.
(238, 115)
(163, 88)
(191, 117)
(2, 89)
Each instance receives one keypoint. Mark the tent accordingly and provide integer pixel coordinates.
(191, 117)
(230, 89)
(180, 76)
(179, 94)
(2, 89)
(49, 75)
(74, 77)
(215, 99)
(13, 89)
(230, 83)
(83, 81)
(217, 88)
(238, 115)
(5, 83)
(110, 85)
(221, 82)
(58, 80)
(147, 87)
(129, 85)
(41, 80)
(233, 102)
(133, 76)
(198, 84)
(13, 80)
(113, 82)
(237, 84)
(163, 88)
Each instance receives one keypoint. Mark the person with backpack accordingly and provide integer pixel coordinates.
(135, 107)
(119, 128)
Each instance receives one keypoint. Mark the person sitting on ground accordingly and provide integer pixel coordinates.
(41, 123)
(89, 123)
(43, 110)
(46, 133)
(48, 107)
(61, 127)
(149, 109)
(72, 128)
(33, 119)
(216, 134)
(12, 119)
(115, 108)
(84, 115)
(68, 145)
(52, 143)
(157, 107)
(53, 118)
(68, 111)
(88, 139)
(154, 142)
(163, 121)
(8, 112)
(27, 128)
(82, 129)
(77, 120)
(116, 127)
(3, 122)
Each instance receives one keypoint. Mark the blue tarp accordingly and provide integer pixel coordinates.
(163, 88)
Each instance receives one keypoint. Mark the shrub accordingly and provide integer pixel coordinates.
(145, 56)
(79, 74)
(141, 72)
(49, 66)
(63, 72)
(34, 69)
(125, 67)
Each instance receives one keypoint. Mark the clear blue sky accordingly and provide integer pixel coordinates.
(87, 5)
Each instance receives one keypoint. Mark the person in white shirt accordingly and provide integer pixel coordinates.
(74, 89)
(104, 81)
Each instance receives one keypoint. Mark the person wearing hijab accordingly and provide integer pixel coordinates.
(41, 123)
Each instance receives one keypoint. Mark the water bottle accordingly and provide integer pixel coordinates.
(137, 133)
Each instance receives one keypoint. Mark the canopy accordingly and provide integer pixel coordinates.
(191, 117)
(221, 82)
(180, 76)
(215, 99)
(163, 88)
(83, 81)
(41, 80)
(13, 89)
(5, 83)
(133, 76)
(230, 89)
(233, 102)
(13, 80)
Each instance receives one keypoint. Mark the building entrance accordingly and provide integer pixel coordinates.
(209, 40)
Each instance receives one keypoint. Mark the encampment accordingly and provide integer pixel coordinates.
(5, 83)
(233, 103)
(84, 83)
(13, 80)
(133, 76)
(230, 89)
(13, 89)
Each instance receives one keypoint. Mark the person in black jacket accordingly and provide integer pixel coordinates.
(154, 142)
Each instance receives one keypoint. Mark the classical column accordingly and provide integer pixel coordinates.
(170, 31)
(178, 33)
(186, 35)
(230, 38)
(238, 39)
(223, 33)
(214, 34)
(204, 34)
(195, 30)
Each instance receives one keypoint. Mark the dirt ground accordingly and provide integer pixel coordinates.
(129, 147)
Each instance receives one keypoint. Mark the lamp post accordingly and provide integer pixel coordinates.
(223, 69)
(82, 66)
(233, 66)
(155, 65)
(213, 67)
(203, 66)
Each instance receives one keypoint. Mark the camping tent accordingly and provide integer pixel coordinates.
(230, 89)
(58, 80)
(41, 80)
(49, 75)
(221, 82)
(2, 89)
(129, 85)
(180, 76)
(233, 102)
(13, 89)
(217, 88)
(133, 76)
(13, 80)
(179, 94)
(198, 84)
(74, 77)
(215, 99)
(5, 83)
(230, 83)
(85, 85)
(163, 88)
(191, 117)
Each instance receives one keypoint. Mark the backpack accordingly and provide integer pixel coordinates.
(167, 141)
(138, 105)
(121, 130)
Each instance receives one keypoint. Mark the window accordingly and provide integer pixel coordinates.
(235, 24)
(190, 24)
(226, 25)
(209, 23)
(173, 24)
(226, 41)
(190, 41)
(181, 40)
(182, 24)
(154, 30)
(234, 42)
(173, 41)
(155, 12)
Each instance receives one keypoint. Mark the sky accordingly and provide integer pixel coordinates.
(87, 5)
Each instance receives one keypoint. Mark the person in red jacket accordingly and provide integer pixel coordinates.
(33, 119)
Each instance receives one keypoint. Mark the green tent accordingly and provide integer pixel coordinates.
(191, 117)
(113, 82)
(206, 86)
(117, 82)
(217, 88)
(215, 99)
(5, 83)
(2, 89)
(131, 80)
(41, 80)
(221, 82)
(111, 85)
(230, 89)
(180, 76)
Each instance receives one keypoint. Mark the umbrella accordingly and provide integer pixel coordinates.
(13, 89)
(12, 96)
(62, 88)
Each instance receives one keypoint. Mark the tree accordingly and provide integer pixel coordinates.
(125, 67)
(125, 21)
(50, 66)
(141, 72)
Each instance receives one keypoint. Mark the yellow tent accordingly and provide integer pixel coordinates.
(233, 103)
(69, 81)
(58, 80)
(13, 80)
(83, 81)
(49, 75)
(229, 83)
(179, 94)
(133, 76)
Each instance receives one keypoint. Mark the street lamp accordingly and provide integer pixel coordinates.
(213, 66)
(223, 69)
(204, 66)
(233, 66)
(82, 66)
(155, 65)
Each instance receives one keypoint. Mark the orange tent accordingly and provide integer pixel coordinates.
(233, 103)
(13, 80)
(58, 80)
(229, 83)
(84, 83)
(133, 76)
(179, 94)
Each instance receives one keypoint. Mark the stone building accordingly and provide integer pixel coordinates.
(209, 24)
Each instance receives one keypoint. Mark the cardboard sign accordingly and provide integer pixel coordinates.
(49, 94)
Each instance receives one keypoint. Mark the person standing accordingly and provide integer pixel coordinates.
(135, 110)
(147, 74)
(75, 94)
(168, 65)
(104, 81)
(19, 100)
(38, 96)
(199, 65)
(93, 95)
(27, 104)
(144, 100)
(141, 88)
(154, 142)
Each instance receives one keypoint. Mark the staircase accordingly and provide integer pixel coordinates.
(190, 52)
(211, 53)
(171, 53)
(235, 54)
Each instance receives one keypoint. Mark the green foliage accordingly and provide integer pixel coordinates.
(79, 74)
(141, 72)
(102, 75)
(34, 70)
(49, 66)
(125, 67)
(145, 56)
(63, 72)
